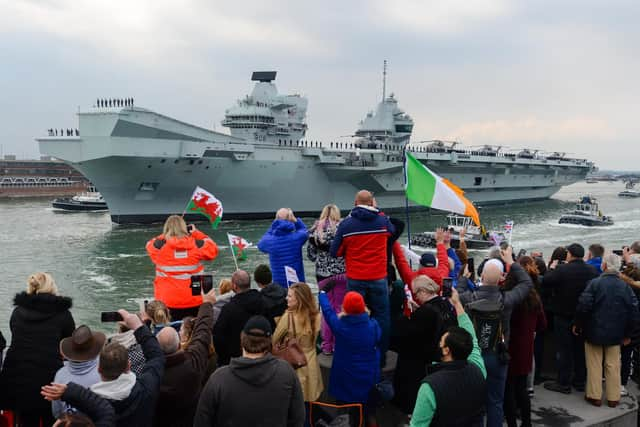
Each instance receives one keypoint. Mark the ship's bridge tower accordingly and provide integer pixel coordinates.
(265, 117)
(387, 124)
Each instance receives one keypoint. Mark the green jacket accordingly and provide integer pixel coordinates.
(426, 403)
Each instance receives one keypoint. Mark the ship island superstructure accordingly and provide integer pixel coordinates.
(146, 164)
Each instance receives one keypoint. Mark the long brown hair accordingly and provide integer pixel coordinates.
(532, 302)
(306, 307)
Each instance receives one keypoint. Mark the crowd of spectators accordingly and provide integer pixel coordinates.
(469, 344)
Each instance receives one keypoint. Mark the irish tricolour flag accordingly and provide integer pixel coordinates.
(206, 204)
(428, 189)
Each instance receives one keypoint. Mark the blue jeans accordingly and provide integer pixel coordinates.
(376, 297)
(496, 380)
(570, 354)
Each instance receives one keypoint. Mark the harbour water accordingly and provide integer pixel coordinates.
(104, 267)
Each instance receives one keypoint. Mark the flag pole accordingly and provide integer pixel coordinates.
(406, 199)
(233, 254)
(188, 203)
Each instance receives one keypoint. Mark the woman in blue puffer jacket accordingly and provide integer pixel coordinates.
(356, 359)
(283, 242)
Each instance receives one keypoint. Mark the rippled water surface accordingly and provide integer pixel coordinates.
(104, 266)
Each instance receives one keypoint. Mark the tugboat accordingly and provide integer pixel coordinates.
(89, 201)
(629, 191)
(475, 237)
(586, 213)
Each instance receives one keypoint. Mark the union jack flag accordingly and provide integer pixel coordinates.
(508, 227)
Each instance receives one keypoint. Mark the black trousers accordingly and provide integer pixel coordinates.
(516, 396)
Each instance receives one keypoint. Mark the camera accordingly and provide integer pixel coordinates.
(447, 287)
(110, 316)
(201, 284)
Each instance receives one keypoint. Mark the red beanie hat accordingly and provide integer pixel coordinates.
(353, 303)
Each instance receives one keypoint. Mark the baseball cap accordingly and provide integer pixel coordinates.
(428, 260)
(257, 326)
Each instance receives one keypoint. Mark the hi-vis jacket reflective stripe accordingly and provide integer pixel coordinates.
(176, 260)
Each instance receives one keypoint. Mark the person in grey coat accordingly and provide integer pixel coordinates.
(607, 314)
(255, 389)
(489, 290)
(81, 351)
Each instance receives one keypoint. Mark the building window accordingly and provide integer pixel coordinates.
(477, 180)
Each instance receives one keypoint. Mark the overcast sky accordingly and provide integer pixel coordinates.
(553, 75)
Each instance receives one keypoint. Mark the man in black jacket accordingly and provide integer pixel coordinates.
(185, 369)
(133, 398)
(274, 296)
(489, 292)
(247, 302)
(567, 282)
(254, 390)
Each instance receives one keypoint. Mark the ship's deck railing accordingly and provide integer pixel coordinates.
(37, 182)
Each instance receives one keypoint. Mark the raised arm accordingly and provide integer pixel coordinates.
(336, 245)
(523, 286)
(328, 313)
(457, 265)
(406, 273)
(96, 407)
(201, 336)
(301, 232)
(207, 248)
(153, 369)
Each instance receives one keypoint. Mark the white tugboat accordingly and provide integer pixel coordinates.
(629, 191)
(586, 213)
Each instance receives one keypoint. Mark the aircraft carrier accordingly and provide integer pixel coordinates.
(147, 165)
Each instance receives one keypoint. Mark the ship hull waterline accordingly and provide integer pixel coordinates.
(256, 189)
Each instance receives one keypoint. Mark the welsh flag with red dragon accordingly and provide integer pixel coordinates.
(238, 246)
(204, 203)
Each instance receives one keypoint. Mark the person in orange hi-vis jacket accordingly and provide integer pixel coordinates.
(177, 254)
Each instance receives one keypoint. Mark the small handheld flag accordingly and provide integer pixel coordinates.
(508, 230)
(205, 203)
(238, 246)
(291, 274)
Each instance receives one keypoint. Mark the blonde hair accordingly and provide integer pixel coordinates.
(158, 312)
(328, 221)
(330, 212)
(225, 286)
(306, 307)
(426, 283)
(175, 226)
(41, 283)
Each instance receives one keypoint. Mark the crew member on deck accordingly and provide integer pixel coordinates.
(177, 254)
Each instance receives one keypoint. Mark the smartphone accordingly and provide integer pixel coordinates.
(617, 252)
(201, 284)
(471, 265)
(110, 316)
(521, 253)
(447, 286)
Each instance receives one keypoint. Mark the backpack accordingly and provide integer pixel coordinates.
(487, 321)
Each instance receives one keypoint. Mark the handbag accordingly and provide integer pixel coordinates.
(288, 348)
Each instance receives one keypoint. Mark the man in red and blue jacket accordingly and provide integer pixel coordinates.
(361, 239)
